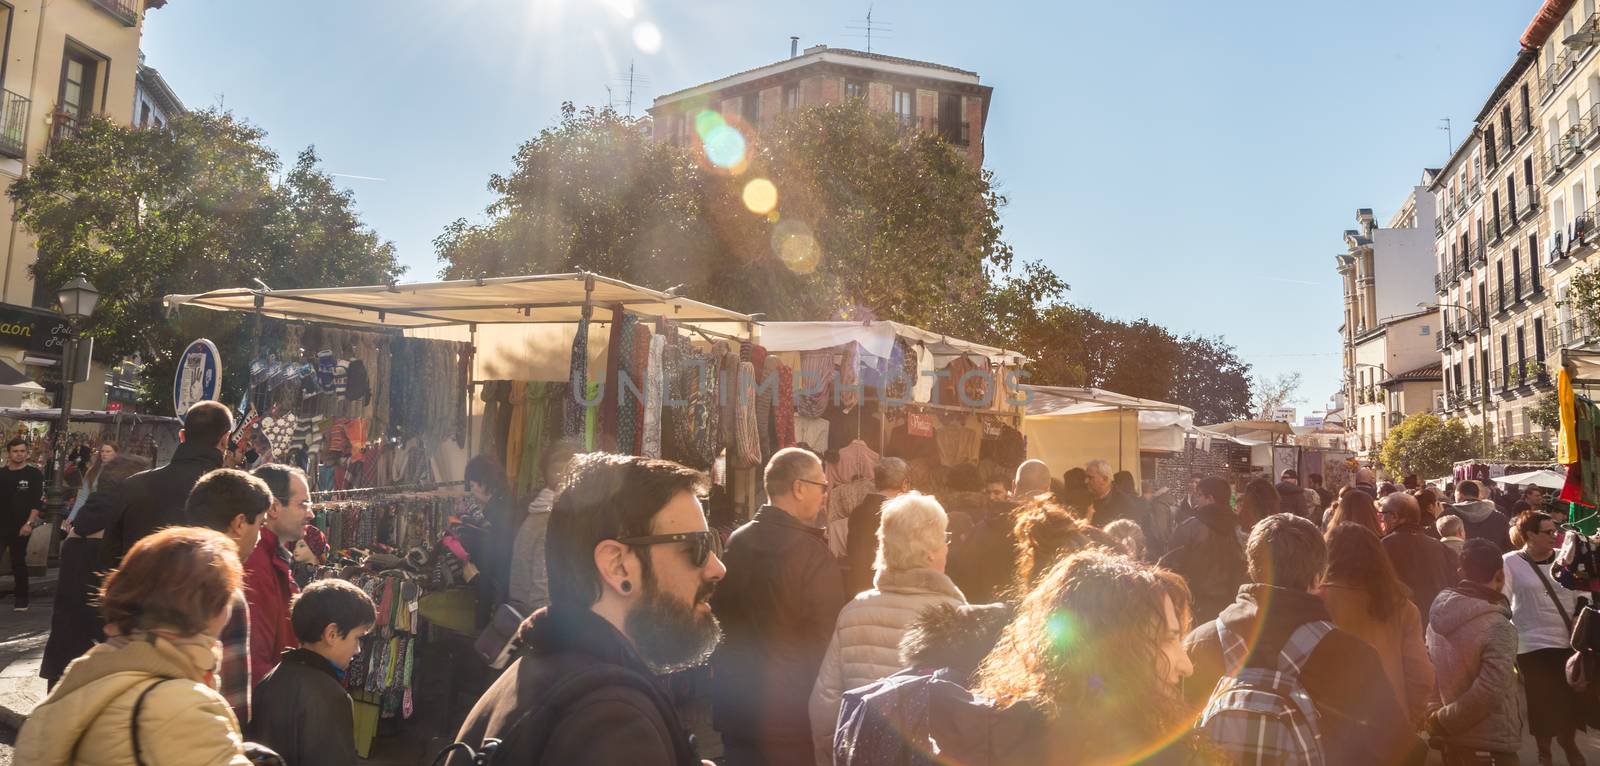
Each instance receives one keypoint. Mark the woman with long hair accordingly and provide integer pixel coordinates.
(75, 622)
(103, 456)
(1354, 507)
(1367, 598)
(1044, 533)
(1096, 653)
(148, 694)
(1542, 615)
(1258, 501)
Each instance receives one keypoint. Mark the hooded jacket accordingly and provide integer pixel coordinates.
(88, 717)
(1208, 550)
(577, 693)
(866, 640)
(1361, 718)
(1483, 521)
(1474, 650)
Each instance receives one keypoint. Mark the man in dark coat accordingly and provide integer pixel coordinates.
(861, 537)
(302, 710)
(1424, 564)
(1111, 502)
(778, 606)
(1482, 520)
(1291, 498)
(632, 566)
(154, 499)
(1361, 718)
(1208, 550)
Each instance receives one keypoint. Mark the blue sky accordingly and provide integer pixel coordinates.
(1190, 162)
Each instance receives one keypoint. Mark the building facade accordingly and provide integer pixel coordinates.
(154, 102)
(1387, 271)
(64, 61)
(923, 96)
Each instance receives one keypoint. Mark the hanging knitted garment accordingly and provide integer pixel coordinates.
(783, 408)
(641, 367)
(850, 376)
(727, 391)
(815, 384)
(607, 436)
(766, 393)
(578, 380)
(650, 441)
(628, 389)
(746, 447)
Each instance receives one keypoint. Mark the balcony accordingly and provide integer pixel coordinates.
(1475, 254)
(1556, 71)
(1577, 333)
(1439, 343)
(1438, 227)
(63, 125)
(13, 125)
(1441, 284)
(125, 11)
(1461, 204)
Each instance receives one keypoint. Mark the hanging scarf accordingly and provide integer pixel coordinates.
(783, 408)
(578, 380)
(650, 440)
(816, 383)
(746, 447)
(607, 438)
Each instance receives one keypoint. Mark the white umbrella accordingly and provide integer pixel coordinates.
(1541, 478)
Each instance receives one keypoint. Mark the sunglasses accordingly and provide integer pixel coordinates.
(701, 544)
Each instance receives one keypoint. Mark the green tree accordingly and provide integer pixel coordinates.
(1427, 445)
(1526, 449)
(1546, 413)
(869, 222)
(194, 207)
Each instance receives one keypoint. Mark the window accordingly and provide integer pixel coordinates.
(1511, 196)
(1505, 124)
(1522, 347)
(1533, 261)
(1496, 199)
(950, 125)
(791, 97)
(144, 115)
(750, 108)
(1516, 273)
(1500, 272)
(855, 89)
(1527, 175)
(1505, 359)
(1538, 339)
(905, 105)
(1527, 109)
(80, 71)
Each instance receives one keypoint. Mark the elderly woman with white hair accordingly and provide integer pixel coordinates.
(909, 577)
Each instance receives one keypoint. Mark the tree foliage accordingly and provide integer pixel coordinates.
(194, 207)
(1074, 346)
(870, 222)
(1526, 449)
(1546, 412)
(1427, 445)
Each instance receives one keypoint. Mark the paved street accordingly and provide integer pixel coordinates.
(21, 644)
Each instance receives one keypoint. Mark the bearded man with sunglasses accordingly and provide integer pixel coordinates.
(632, 566)
(778, 606)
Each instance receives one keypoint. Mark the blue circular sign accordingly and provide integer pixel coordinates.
(199, 375)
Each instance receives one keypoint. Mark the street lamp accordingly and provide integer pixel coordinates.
(78, 299)
(1477, 332)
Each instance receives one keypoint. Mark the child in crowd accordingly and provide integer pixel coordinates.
(1452, 532)
(301, 708)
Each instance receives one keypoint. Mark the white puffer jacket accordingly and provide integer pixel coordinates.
(866, 641)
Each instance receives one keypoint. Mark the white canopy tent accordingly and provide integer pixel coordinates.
(876, 338)
(1545, 478)
(1068, 426)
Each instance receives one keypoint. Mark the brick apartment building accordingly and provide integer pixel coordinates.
(924, 96)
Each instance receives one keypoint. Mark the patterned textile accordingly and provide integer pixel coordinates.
(577, 381)
(628, 388)
(1263, 714)
(536, 435)
(901, 373)
(641, 366)
(609, 410)
(746, 447)
(850, 376)
(817, 373)
(766, 392)
(650, 442)
(783, 408)
(728, 392)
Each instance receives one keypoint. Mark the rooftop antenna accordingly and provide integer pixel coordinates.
(872, 28)
(1449, 139)
(630, 81)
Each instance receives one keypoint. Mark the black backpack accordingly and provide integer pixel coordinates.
(530, 731)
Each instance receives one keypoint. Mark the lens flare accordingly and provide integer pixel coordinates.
(724, 146)
(647, 37)
(760, 196)
(1063, 634)
(796, 246)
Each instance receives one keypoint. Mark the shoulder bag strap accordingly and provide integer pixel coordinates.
(133, 723)
(1549, 589)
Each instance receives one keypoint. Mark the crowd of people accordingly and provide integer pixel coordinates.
(1035, 619)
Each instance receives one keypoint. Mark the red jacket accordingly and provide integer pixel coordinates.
(268, 588)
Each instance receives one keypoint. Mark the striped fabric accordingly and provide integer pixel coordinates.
(1263, 715)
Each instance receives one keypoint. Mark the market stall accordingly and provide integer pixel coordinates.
(383, 393)
(1069, 426)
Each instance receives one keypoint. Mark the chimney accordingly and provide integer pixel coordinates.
(794, 46)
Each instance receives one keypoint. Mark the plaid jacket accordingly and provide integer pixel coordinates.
(234, 678)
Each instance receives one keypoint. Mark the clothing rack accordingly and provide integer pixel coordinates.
(394, 489)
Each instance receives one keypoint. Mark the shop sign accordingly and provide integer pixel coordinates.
(199, 375)
(40, 332)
